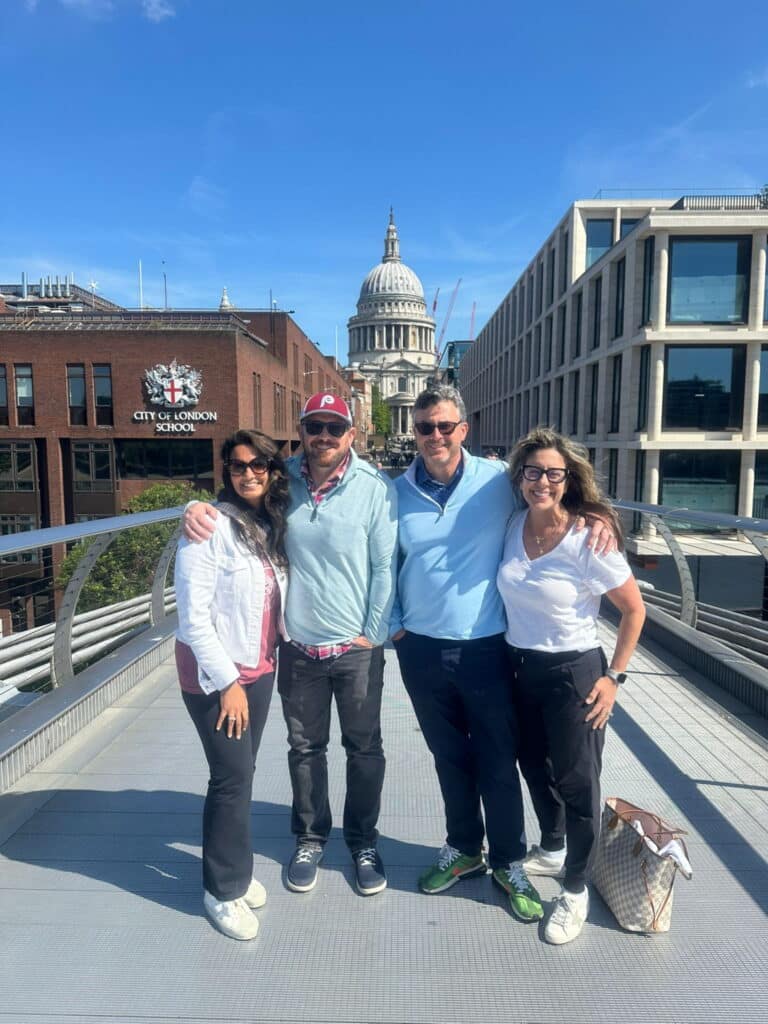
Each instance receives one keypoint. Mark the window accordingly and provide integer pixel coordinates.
(3, 397)
(564, 264)
(709, 280)
(25, 395)
(539, 287)
(599, 239)
(402, 383)
(295, 407)
(627, 224)
(760, 499)
(594, 378)
(613, 471)
(10, 524)
(615, 395)
(597, 302)
(762, 402)
(279, 406)
(704, 387)
(162, 460)
(620, 271)
(643, 385)
(558, 417)
(17, 466)
(256, 387)
(575, 402)
(526, 410)
(538, 353)
(76, 394)
(649, 258)
(102, 392)
(639, 488)
(561, 336)
(295, 365)
(92, 466)
(545, 391)
(548, 345)
(551, 277)
(577, 313)
(705, 480)
(527, 367)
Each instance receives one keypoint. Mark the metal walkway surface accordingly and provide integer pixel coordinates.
(100, 892)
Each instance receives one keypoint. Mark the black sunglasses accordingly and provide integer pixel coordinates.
(315, 428)
(237, 467)
(446, 427)
(556, 475)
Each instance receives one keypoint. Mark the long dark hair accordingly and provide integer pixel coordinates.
(582, 493)
(275, 506)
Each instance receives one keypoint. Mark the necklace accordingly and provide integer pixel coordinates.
(549, 536)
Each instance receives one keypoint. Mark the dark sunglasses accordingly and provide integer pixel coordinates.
(534, 473)
(446, 427)
(237, 467)
(315, 428)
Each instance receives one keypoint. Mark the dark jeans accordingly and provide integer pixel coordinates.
(459, 693)
(227, 846)
(560, 754)
(307, 687)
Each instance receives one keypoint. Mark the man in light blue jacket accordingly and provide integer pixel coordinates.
(340, 541)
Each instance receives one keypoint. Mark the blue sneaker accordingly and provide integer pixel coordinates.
(302, 868)
(370, 876)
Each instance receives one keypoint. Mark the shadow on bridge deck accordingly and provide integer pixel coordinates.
(101, 918)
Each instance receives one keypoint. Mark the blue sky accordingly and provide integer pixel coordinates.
(259, 145)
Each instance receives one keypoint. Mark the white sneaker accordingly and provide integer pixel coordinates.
(567, 918)
(545, 862)
(232, 917)
(256, 895)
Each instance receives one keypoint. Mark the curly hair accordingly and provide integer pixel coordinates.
(582, 494)
(276, 498)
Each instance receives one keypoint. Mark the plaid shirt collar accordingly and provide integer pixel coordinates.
(318, 493)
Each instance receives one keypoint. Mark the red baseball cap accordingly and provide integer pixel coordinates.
(323, 401)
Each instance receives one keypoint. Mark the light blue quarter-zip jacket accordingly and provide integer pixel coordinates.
(341, 555)
(446, 584)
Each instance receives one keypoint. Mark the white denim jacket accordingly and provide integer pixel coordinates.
(220, 603)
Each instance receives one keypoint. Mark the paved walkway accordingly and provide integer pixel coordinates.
(100, 912)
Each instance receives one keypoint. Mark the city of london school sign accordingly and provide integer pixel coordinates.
(175, 388)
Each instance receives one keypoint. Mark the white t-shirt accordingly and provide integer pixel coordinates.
(552, 601)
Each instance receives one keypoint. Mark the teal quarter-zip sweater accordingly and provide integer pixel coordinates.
(449, 557)
(341, 556)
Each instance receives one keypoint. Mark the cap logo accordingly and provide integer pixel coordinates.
(327, 400)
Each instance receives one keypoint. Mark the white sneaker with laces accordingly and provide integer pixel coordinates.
(255, 895)
(568, 917)
(545, 862)
(232, 917)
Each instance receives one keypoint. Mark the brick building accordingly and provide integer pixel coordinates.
(97, 403)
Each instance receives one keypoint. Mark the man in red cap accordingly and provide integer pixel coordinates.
(341, 538)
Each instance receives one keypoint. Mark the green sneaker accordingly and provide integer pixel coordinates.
(450, 867)
(524, 900)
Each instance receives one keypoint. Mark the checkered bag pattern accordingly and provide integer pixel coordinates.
(633, 880)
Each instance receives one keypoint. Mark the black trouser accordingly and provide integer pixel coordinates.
(560, 754)
(307, 687)
(459, 693)
(227, 845)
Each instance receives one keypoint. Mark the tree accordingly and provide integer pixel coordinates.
(127, 567)
(379, 412)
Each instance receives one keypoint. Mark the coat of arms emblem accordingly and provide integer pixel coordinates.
(173, 385)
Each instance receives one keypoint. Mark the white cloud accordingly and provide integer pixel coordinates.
(157, 10)
(757, 80)
(205, 197)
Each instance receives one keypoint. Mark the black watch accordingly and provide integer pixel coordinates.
(617, 677)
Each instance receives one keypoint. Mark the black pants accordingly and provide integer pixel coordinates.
(227, 845)
(459, 693)
(307, 688)
(560, 754)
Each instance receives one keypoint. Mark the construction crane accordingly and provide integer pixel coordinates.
(439, 346)
(434, 302)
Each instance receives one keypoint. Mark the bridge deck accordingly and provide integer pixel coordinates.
(100, 911)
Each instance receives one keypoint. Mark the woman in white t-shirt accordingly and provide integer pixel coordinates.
(563, 687)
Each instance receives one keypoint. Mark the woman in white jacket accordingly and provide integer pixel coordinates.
(230, 593)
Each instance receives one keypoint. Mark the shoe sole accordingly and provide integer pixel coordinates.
(531, 869)
(472, 873)
(373, 890)
(301, 888)
(516, 913)
(225, 931)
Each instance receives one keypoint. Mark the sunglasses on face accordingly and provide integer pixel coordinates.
(315, 428)
(237, 467)
(425, 427)
(534, 473)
